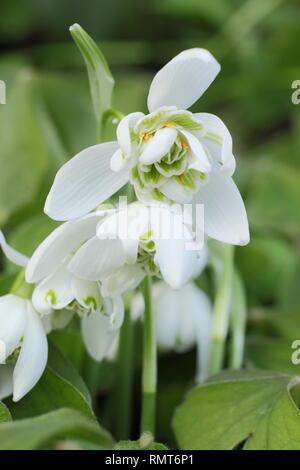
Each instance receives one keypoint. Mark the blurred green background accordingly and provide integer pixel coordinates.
(48, 118)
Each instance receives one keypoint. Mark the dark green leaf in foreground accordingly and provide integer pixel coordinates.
(258, 407)
(42, 431)
(60, 387)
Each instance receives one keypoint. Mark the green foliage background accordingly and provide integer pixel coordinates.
(48, 118)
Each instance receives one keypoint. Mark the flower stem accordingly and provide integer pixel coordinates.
(149, 362)
(237, 323)
(125, 376)
(221, 310)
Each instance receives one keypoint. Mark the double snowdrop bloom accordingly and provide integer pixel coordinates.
(51, 268)
(23, 342)
(169, 155)
(182, 320)
(156, 239)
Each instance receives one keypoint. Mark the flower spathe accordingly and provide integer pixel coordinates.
(169, 155)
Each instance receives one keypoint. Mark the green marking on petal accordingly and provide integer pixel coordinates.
(90, 301)
(153, 121)
(50, 297)
(186, 120)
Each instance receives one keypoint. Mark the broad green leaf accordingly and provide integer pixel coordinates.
(4, 413)
(257, 408)
(59, 387)
(69, 342)
(42, 431)
(100, 77)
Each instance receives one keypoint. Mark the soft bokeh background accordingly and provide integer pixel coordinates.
(48, 118)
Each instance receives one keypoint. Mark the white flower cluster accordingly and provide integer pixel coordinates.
(170, 156)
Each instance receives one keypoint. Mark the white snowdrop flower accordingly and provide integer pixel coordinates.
(24, 347)
(57, 287)
(169, 155)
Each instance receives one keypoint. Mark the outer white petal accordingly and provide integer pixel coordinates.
(225, 217)
(158, 146)
(183, 80)
(167, 315)
(13, 255)
(84, 182)
(97, 259)
(197, 150)
(58, 244)
(53, 292)
(174, 255)
(220, 152)
(6, 383)
(126, 278)
(33, 356)
(87, 293)
(98, 334)
(123, 131)
(13, 318)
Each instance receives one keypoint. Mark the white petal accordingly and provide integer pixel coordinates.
(175, 191)
(123, 131)
(198, 151)
(167, 312)
(183, 80)
(225, 217)
(218, 142)
(126, 278)
(158, 146)
(173, 254)
(87, 293)
(84, 182)
(13, 255)
(13, 317)
(98, 335)
(97, 259)
(58, 244)
(6, 383)
(117, 161)
(33, 356)
(53, 292)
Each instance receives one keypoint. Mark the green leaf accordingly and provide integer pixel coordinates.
(4, 413)
(41, 431)
(258, 407)
(60, 386)
(100, 77)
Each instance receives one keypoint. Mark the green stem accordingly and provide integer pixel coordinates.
(221, 310)
(237, 323)
(149, 362)
(125, 376)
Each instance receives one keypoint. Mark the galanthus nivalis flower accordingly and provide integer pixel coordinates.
(169, 155)
(157, 240)
(26, 347)
(182, 319)
(23, 343)
(56, 287)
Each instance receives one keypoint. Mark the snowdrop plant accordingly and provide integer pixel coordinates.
(169, 155)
